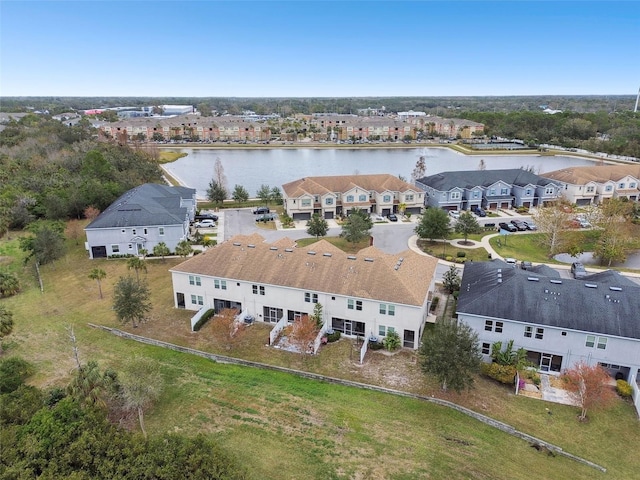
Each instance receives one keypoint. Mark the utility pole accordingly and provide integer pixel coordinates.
(635, 110)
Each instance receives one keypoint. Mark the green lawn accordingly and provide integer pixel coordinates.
(285, 427)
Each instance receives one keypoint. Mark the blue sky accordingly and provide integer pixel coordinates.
(326, 49)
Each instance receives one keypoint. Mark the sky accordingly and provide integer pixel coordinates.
(198, 48)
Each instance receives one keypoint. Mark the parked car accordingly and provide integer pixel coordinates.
(511, 261)
(509, 227)
(206, 216)
(206, 223)
(454, 214)
(530, 225)
(519, 224)
(267, 217)
(584, 223)
(393, 217)
(260, 210)
(578, 270)
(377, 218)
(479, 212)
(526, 265)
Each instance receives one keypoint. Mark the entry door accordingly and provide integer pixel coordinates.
(545, 362)
(348, 327)
(180, 299)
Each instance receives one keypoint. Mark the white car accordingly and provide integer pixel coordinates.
(377, 218)
(206, 223)
(454, 213)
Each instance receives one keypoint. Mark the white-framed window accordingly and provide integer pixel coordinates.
(115, 248)
(528, 332)
(354, 304)
(476, 194)
(386, 309)
(197, 300)
(408, 197)
(131, 246)
(362, 198)
(392, 310)
(590, 189)
(488, 325)
(491, 326)
(632, 185)
(454, 195)
(133, 231)
(258, 289)
(486, 348)
(621, 185)
(492, 191)
(602, 343)
(316, 199)
(220, 284)
(539, 333)
(306, 202)
(123, 231)
(195, 280)
(328, 201)
(146, 231)
(383, 330)
(504, 191)
(386, 198)
(608, 188)
(527, 192)
(591, 341)
(310, 297)
(160, 230)
(349, 198)
(548, 191)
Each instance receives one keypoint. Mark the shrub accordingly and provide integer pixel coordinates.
(333, 336)
(206, 316)
(502, 373)
(375, 346)
(461, 254)
(434, 303)
(408, 215)
(623, 388)
(392, 341)
(449, 258)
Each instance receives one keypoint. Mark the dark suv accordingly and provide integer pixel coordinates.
(507, 226)
(519, 224)
(479, 212)
(578, 270)
(261, 210)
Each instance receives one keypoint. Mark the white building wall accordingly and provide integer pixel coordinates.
(108, 237)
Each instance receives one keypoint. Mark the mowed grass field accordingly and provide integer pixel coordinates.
(285, 427)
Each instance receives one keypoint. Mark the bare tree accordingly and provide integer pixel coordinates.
(303, 334)
(140, 385)
(218, 174)
(552, 221)
(420, 169)
(226, 326)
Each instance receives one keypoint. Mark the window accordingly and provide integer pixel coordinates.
(328, 201)
(591, 341)
(220, 284)
(504, 191)
(160, 230)
(608, 188)
(621, 185)
(632, 185)
(408, 198)
(359, 305)
(193, 280)
(392, 310)
(362, 198)
(386, 198)
(488, 325)
(486, 349)
(123, 231)
(271, 314)
(499, 327)
(146, 231)
(115, 248)
(310, 297)
(130, 246)
(548, 191)
(492, 191)
(383, 309)
(316, 199)
(602, 343)
(133, 231)
(383, 330)
(455, 195)
(476, 194)
(590, 189)
(197, 300)
(258, 289)
(306, 202)
(351, 304)
(293, 316)
(539, 333)
(349, 198)
(527, 192)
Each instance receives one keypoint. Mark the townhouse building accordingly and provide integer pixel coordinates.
(335, 196)
(140, 219)
(490, 189)
(558, 321)
(367, 294)
(592, 185)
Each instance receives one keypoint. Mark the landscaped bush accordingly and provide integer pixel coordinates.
(333, 336)
(449, 258)
(375, 346)
(206, 316)
(623, 388)
(502, 373)
(461, 254)
(392, 341)
(434, 303)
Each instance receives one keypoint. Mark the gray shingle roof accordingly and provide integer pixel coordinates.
(604, 303)
(148, 204)
(445, 181)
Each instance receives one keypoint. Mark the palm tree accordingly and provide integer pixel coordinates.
(184, 248)
(137, 264)
(161, 250)
(98, 274)
(6, 324)
(9, 285)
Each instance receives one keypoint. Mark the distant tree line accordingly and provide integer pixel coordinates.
(613, 133)
(56, 172)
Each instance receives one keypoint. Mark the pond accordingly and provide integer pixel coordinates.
(587, 258)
